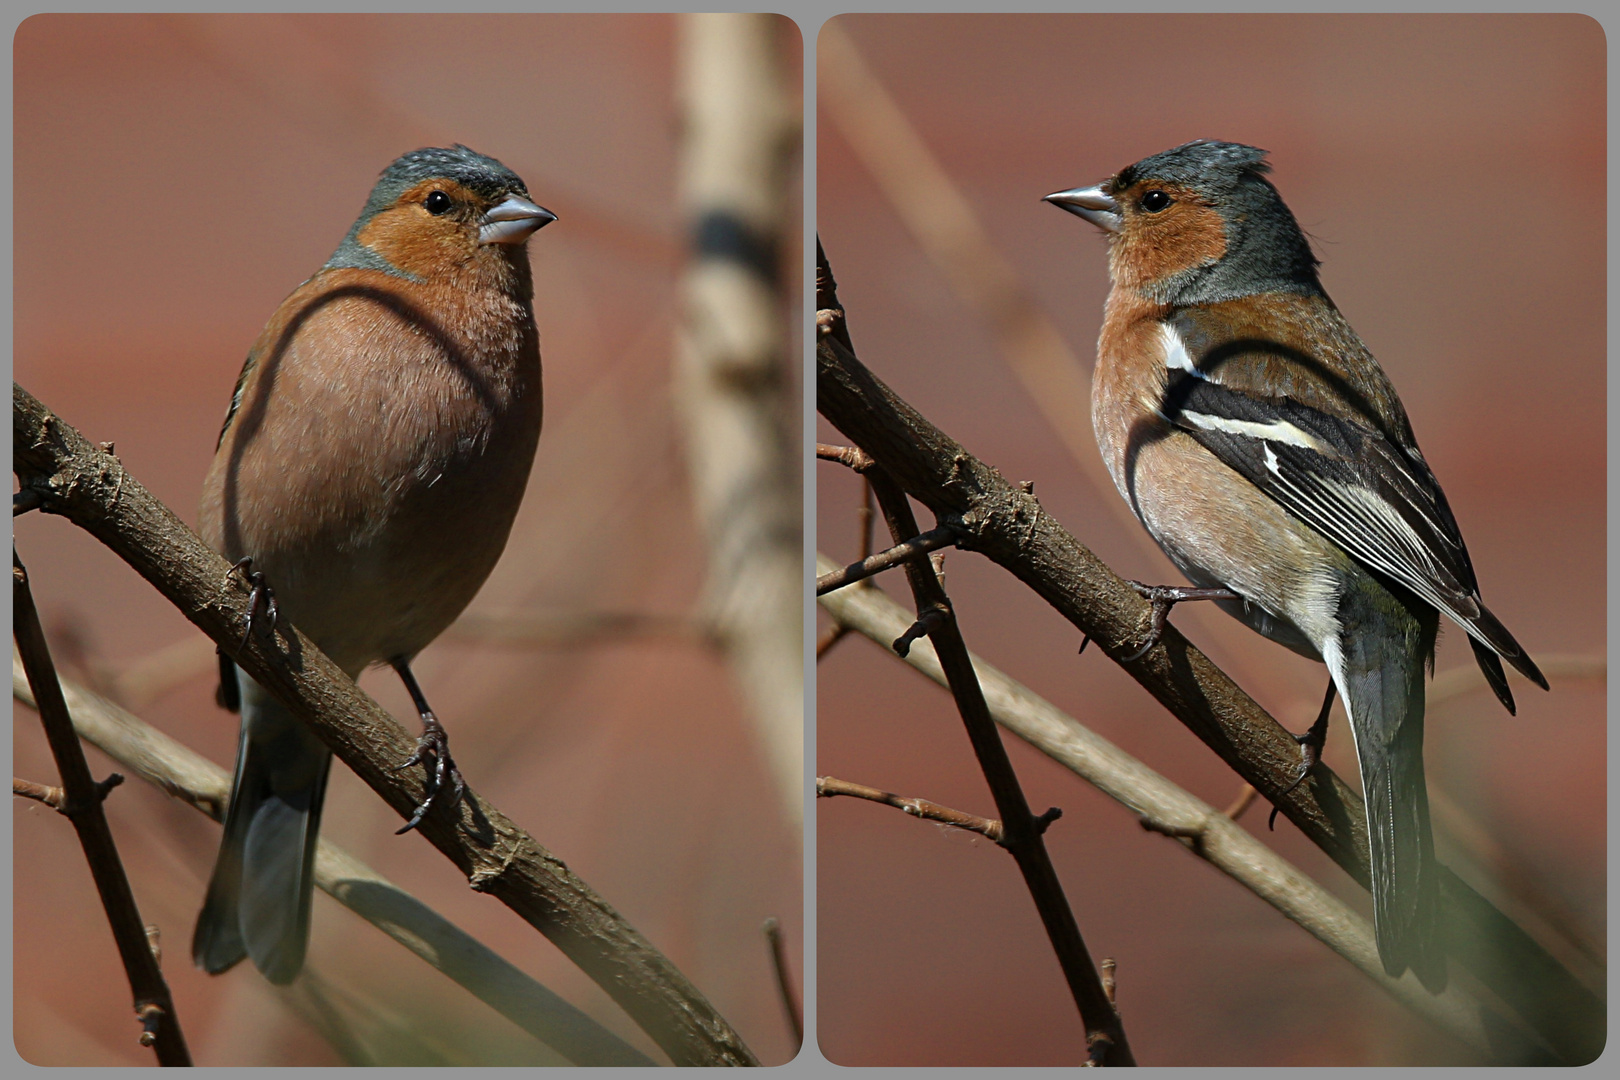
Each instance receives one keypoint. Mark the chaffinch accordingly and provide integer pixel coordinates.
(376, 448)
(1267, 453)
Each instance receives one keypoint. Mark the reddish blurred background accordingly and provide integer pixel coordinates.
(1451, 172)
(175, 178)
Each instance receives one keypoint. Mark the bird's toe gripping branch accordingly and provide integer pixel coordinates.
(262, 595)
(432, 751)
(1163, 598)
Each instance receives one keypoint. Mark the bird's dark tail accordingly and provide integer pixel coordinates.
(259, 896)
(1379, 672)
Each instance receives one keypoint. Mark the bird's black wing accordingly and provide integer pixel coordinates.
(1372, 497)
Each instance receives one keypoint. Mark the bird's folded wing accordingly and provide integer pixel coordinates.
(1349, 482)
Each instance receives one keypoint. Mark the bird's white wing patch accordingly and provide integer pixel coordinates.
(1176, 355)
(1270, 431)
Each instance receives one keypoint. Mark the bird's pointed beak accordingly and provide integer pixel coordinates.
(513, 220)
(1092, 203)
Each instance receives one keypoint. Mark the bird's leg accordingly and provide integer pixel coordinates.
(1314, 741)
(435, 745)
(261, 594)
(1165, 597)
(1311, 745)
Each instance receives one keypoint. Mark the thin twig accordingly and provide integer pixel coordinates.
(186, 775)
(917, 546)
(784, 982)
(81, 802)
(1245, 798)
(1008, 527)
(852, 456)
(833, 635)
(498, 858)
(829, 786)
(53, 797)
(866, 516)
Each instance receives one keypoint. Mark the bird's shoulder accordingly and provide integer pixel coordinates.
(337, 326)
(1293, 346)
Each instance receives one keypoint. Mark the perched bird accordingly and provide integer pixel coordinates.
(372, 460)
(1267, 453)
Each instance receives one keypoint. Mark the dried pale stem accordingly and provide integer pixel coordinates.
(850, 456)
(81, 804)
(829, 786)
(1008, 526)
(92, 489)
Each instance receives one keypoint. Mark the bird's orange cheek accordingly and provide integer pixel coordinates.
(1152, 249)
(403, 238)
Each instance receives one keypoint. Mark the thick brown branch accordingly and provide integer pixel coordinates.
(917, 546)
(81, 803)
(829, 786)
(91, 489)
(1009, 527)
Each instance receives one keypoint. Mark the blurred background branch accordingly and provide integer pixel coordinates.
(734, 383)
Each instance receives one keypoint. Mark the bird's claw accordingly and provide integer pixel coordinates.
(1310, 754)
(261, 594)
(433, 751)
(1163, 598)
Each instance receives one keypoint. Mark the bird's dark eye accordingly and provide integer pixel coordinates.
(1154, 201)
(437, 203)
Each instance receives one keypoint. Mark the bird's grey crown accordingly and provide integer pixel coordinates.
(1204, 163)
(472, 170)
